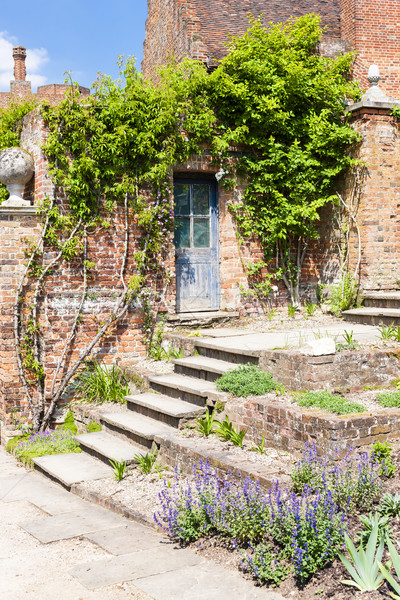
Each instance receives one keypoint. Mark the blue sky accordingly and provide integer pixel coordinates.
(82, 36)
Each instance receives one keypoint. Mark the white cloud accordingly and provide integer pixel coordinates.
(35, 59)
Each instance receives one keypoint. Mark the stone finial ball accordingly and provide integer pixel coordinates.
(16, 166)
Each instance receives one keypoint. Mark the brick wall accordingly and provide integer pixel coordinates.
(372, 28)
(378, 213)
(290, 427)
(201, 28)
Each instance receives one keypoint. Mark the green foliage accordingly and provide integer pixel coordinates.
(369, 522)
(69, 423)
(248, 380)
(205, 425)
(228, 433)
(396, 111)
(329, 402)
(58, 441)
(344, 295)
(365, 567)
(146, 461)
(395, 559)
(10, 128)
(311, 308)
(285, 103)
(119, 469)
(389, 332)
(259, 447)
(291, 310)
(389, 399)
(390, 505)
(382, 452)
(271, 313)
(269, 567)
(100, 383)
(349, 342)
(93, 426)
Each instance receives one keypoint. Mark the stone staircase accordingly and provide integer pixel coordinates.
(379, 308)
(149, 418)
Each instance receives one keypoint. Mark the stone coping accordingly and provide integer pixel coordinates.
(18, 211)
(372, 104)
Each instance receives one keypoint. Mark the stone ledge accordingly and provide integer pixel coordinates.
(18, 211)
(372, 104)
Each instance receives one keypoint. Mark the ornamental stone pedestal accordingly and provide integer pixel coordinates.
(16, 169)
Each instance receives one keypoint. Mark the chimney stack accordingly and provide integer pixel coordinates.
(19, 56)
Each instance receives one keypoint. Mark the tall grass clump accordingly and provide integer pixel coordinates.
(100, 383)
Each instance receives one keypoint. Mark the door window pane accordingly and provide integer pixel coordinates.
(182, 199)
(182, 233)
(201, 233)
(201, 199)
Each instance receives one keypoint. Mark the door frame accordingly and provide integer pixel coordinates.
(191, 178)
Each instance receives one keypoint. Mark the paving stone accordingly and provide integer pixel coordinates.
(126, 539)
(72, 468)
(199, 387)
(137, 424)
(165, 404)
(203, 363)
(203, 582)
(71, 524)
(45, 495)
(108, 446)
(134, 566)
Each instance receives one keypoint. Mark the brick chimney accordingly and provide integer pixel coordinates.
(19, 56)
(20, 86)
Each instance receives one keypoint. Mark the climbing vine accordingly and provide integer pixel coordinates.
(112, 154)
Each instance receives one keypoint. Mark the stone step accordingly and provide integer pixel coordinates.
(135, 428)
(373, 316)
(382, 299)
(163, 408)
(203, 367)
(188, 389)
(68, 469)
(219, 350)
(202, 317)
(108, 447)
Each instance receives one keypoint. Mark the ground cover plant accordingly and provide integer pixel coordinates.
(57, 441)
(248, 380)
(330, 402)
(280, 533)
(389, 399)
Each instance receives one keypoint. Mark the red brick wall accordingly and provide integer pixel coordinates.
(378, 214)
(372, 27)
(201, 28)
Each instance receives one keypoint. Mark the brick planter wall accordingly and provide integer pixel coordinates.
(343, 371)
(290, 427)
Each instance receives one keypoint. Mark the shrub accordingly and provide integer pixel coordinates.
(93, 426)
(98, 383)
(329, 402)
(59, 441)
(389, 399)
(248, 380)
(69, 423)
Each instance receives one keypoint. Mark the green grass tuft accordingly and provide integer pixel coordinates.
(329, 402)
(248, 380)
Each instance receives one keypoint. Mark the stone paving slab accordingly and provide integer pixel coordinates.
(257, 342)
(203, 582)
(42, 493)
(126, 539)
(71, 524)
(136, 565)
(72, 468)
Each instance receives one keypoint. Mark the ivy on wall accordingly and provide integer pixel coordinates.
(273, 95)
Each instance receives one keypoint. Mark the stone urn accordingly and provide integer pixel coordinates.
(16, 169)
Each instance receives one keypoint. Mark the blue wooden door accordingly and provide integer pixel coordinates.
(196, 245)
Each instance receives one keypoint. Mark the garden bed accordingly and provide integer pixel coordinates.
(138, 493)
